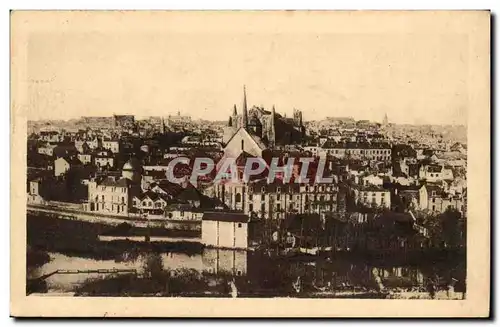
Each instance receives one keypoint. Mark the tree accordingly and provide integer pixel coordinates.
(153, 266)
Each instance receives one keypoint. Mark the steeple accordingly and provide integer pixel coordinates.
(272, 131)
(386, 120)
(245, 110)
(162, 125)
(230, 123)
(234, 111)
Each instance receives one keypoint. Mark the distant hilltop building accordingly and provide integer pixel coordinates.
(115, 121)
(93, 121)
(267, 129)
(124, 121)
(178, 120)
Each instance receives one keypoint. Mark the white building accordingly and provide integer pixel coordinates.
(62, 165)
(110, 196)
(104, 158)
(435, 173)
(225, 230)
(112, 145)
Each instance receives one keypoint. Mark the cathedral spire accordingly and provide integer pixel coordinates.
(245, 110)
(272, 130)
(162, 125)
(386, 120)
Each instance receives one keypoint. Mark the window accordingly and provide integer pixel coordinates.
(238, 273)
(433, 200)
(182, 213)
(242, 145)
(433, 208)
(239, 225)
(290, 196)
(278, 206)
(262, 197)
(123, 199)
(250, 196)
(278, 196)
(102, 197)
(262, 207)
(250, 207)
(238, 198)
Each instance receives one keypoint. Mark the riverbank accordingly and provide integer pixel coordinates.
(81, 239)
(112, 220)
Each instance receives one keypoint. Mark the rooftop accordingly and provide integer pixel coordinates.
(234, 217)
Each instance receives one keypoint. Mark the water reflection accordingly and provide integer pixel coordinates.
(257, 273)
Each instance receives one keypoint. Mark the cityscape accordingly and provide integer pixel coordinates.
(174, 206)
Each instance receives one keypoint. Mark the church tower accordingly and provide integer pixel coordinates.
(244, 121)
(234, 119)
(297, 118)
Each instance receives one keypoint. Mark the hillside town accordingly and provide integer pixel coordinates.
(397, 194)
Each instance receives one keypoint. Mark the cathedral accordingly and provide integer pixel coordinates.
(266, 129)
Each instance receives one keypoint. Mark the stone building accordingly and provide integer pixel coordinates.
(270, 127)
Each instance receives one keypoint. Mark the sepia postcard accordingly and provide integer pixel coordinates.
(250, 163)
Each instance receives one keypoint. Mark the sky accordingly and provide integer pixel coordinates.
(413, 77)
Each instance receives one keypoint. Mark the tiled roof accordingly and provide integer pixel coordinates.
(122, 182)
(73, 161)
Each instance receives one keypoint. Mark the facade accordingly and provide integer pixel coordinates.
(85, 158)
(183, 212)
(104, 158)
(225, 230)
(435, 173)
(273, 201)
(35, 192)
(355, 150)
(111, 196)
(149, 202)
(372, 195)
(112, 145)
(432, 197)
(47, 149)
